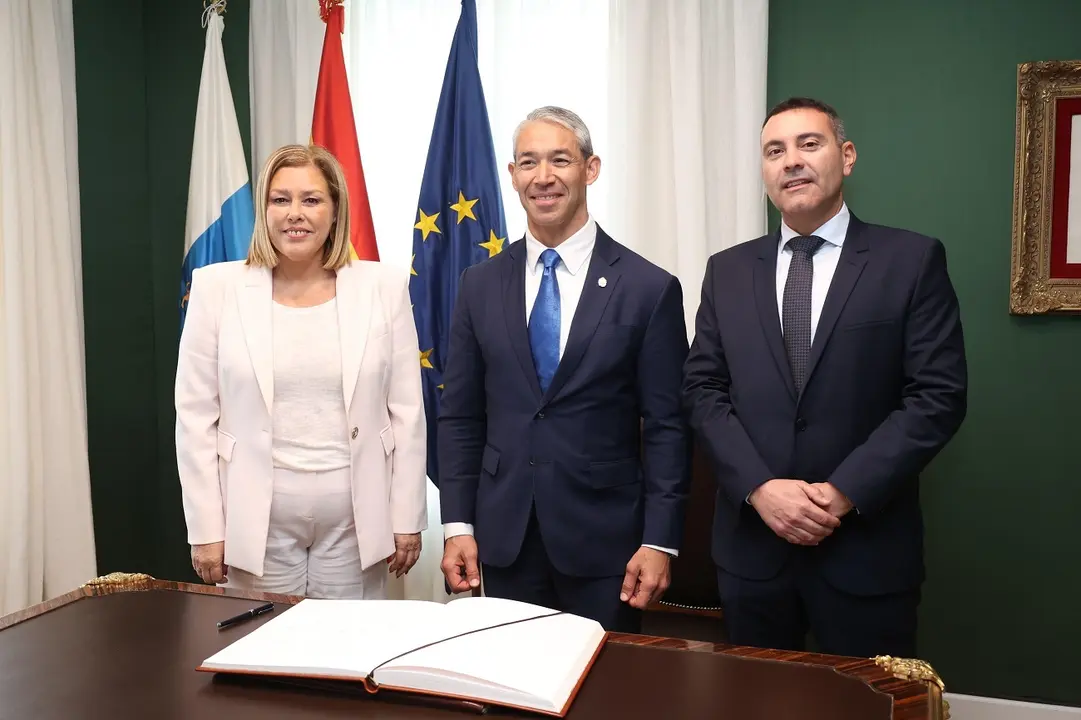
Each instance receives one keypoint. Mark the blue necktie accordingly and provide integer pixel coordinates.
(544, 322)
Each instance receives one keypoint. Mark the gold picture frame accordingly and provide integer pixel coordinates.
(1042, 280)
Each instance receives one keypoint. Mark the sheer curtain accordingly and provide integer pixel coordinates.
(46, 526)
(672, 91)
(688, 85)
(285, 39)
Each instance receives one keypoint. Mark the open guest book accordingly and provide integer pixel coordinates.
(478, 649)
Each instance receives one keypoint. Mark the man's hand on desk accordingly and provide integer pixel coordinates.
(460, 563)
(647, 577)
(208, 561)
(794, 510)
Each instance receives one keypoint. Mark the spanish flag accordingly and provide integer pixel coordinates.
(334, 129)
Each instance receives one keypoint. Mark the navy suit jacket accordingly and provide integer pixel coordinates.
(603, 456)
(886, 389)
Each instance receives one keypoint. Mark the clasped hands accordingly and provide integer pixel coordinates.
(802, 513)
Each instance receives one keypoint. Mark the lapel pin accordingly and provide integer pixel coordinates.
(602, 282)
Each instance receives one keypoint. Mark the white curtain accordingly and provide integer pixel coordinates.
(46, 527)
(285, 40)
(673, 92)
(688, 86)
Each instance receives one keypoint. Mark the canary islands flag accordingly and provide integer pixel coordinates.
(220, 211)
(460, 219)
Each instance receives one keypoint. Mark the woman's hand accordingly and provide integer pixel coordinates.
(208, 561)
(406, 553)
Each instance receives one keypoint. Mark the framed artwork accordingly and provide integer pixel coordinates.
(1046, 264)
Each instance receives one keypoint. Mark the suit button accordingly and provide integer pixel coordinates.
(540, 415)
(354, 433)
(801, 424)
(531, 461)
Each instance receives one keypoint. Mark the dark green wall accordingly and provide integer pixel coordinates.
(137, 72)
(927, 89)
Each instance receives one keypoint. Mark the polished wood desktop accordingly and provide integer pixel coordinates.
(126, 646)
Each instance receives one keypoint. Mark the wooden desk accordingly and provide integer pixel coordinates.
(125, 646)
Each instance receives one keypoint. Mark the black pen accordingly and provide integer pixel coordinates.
(248, 615)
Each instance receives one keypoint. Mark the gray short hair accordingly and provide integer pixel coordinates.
(560, 116)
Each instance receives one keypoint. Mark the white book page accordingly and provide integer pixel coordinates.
(333, 637)
(473, 613)
(540, 658)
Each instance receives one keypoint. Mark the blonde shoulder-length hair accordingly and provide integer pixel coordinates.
(336, 250)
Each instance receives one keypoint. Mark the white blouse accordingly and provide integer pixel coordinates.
(310, 429)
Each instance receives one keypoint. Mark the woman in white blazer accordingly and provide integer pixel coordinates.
(300, 435)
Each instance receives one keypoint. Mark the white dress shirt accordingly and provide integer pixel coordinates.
(833, 231)
(574, 254)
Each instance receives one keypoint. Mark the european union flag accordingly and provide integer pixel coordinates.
(460, 219)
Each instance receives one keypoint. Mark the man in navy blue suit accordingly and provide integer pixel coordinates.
(562, 448)
(827, 370)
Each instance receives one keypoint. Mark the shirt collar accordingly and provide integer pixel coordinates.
(573, 252)
(832, 231)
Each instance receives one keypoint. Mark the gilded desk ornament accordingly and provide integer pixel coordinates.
(909, 669)
(120, 581)
(913, 669)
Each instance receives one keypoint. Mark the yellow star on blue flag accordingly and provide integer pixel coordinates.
(494, 246)
(464, 208)
(426, 224)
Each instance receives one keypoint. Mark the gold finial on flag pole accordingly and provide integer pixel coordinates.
(325, 6)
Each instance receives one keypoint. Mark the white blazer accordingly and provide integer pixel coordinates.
(224, 395)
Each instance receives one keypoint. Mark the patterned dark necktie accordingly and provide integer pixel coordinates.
(796, 305)
(544, 322)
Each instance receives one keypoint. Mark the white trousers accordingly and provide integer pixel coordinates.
(312, 547)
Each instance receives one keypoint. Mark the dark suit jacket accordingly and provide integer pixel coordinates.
(886, 389)
(604, 454)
